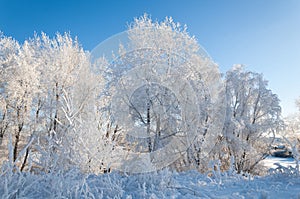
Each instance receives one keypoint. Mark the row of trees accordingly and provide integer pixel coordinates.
(56, 113)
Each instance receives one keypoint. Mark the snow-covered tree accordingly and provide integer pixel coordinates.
(9, 48)
(64, 107)
(162, 90)
(18, 80)
(253, 117)
(48, 96)
(292, 126)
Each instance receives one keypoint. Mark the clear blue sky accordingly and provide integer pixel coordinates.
(262, 34)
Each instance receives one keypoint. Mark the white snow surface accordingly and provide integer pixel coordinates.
(272, 162)
(161, 184)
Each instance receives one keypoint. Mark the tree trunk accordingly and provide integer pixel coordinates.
(148, 127)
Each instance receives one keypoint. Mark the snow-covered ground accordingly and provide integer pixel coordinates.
(272, 162)
(162, 184)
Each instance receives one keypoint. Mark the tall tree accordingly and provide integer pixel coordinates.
(48, 94)
(64, 104)
(17, 91)
(253, 115)
(163, 89)
(9, 48)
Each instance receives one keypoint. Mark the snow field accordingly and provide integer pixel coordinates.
(162, 184)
